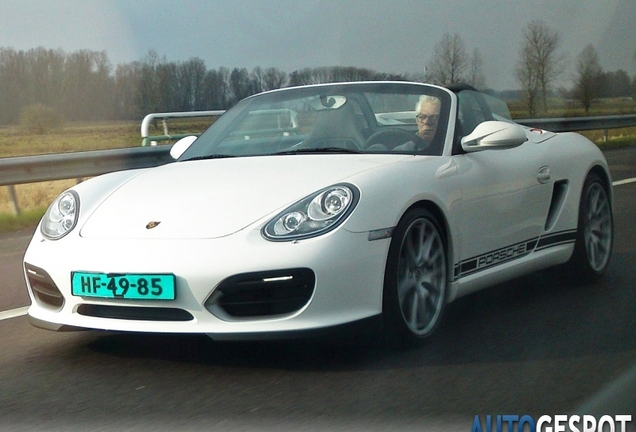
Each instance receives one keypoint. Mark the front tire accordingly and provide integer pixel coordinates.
(415, 279)
(595, 232)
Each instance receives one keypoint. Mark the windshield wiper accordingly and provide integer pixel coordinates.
(318, 151)
(212, 156)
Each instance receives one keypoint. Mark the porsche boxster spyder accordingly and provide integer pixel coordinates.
(316, 208)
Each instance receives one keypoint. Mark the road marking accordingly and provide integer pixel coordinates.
(623, 182)
(13, 313)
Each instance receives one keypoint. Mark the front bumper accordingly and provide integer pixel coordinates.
(348, 271)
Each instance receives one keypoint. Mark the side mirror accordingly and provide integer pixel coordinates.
(494, 135)
(181, 146)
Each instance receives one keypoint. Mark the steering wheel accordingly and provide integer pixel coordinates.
(390, 138)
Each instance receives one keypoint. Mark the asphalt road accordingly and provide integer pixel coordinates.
(534, 346)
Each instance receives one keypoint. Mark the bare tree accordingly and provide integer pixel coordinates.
(241, 85)
(476, 76)
(528, 78)
(127, 79)
(88, 87)
(45, 71)
(589, 73)
(216, 89)
(149, 90)
(190, 75)
(324, 74)
(539, 63)
(301, 77)
(450, 60)
(615, 84)
(257, 78)
(267, 79)
(274, 79)
(168, 87)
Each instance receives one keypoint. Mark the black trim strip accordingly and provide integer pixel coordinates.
(556, 239)
(511, 252)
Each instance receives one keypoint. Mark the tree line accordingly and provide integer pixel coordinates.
(540, 64)
(83, 86)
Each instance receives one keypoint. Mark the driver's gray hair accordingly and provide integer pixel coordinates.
(426, 99)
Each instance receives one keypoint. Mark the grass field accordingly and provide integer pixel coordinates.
(74, 137)
(34, 198)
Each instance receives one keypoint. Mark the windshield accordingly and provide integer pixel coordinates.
(369, 118)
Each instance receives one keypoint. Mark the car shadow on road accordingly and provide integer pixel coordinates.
(538, 317)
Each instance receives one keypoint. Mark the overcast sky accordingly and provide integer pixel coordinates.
(396, 36)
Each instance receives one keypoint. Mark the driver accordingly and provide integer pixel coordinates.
(427, 115)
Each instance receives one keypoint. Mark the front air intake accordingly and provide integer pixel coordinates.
(44, 290)
(134, 313)
(262, 294)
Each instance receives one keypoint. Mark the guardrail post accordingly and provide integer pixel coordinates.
(14, 200)
(605, 135)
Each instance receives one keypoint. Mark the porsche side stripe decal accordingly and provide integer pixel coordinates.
(556, 239)
(509, 253)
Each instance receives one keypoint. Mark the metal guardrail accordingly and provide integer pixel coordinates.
(30, 169)
(571, 124)
(146, 138)
(560, 124)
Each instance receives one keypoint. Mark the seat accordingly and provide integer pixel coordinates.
(336, 128)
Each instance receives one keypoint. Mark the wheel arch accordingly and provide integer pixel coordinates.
(579, 268)
(602, 173)
(442, 220)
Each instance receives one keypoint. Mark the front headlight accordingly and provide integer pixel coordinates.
(61, 216)
(314, 215)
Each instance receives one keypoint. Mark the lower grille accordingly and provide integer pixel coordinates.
(134, 313)
(43, 288)
(263, 294)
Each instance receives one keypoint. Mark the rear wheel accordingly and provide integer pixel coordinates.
(416, 278)
(595, 233)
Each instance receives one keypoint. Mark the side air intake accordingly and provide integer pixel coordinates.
(558, 199)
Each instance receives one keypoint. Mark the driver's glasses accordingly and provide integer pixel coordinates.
(424, 117)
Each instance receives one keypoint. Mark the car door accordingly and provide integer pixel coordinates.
(505, 201)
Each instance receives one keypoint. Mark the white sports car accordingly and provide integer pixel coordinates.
(319, 207)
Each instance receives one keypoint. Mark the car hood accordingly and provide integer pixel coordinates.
(215, 198)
